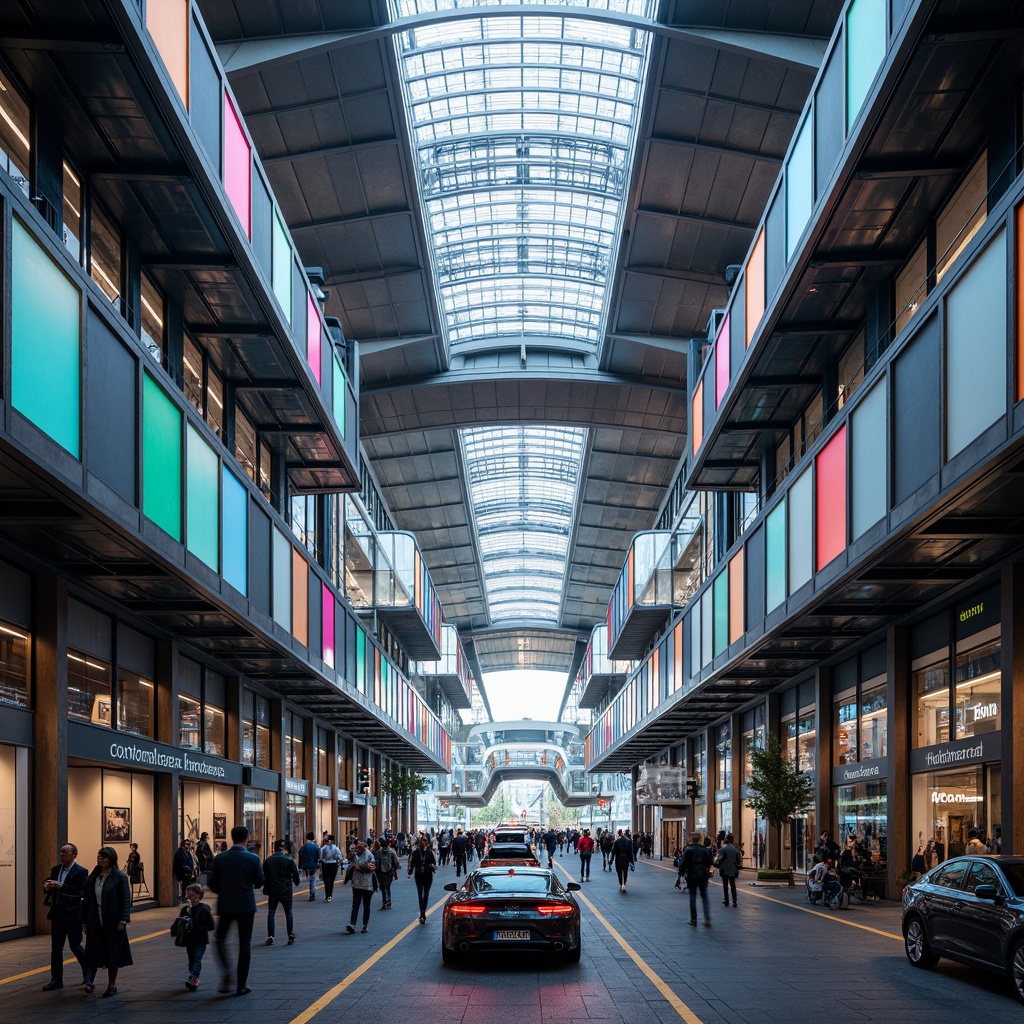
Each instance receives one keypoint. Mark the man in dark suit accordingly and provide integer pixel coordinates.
(234, 877)
(64, 890)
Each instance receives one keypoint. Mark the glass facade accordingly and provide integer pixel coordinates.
(89, 689)
(861, 817)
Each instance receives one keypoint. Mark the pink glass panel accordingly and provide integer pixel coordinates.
(328, 621)
(313, 335)
(722, 362)
(237, 165)
(830, 466)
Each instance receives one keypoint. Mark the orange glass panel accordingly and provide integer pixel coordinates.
(300, 598)
(755, 286)
(1019, 299)
(736, 616)
(697, 417)
(167, 22)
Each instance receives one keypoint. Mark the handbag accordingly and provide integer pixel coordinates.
(181, 927)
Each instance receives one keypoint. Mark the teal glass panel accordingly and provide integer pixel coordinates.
(721, 587)
(799, 186)
(868, 461)
(282, 581)
(46, 342)
(775, 557)
(235, 538)
(202, 512)
(161, 458)
(339, 395)
(801, 531)
(282, 267)
(976, 362)
(866, 33)
(360, 661)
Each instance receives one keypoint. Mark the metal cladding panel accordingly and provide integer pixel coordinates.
(868, 460)
(915, 412)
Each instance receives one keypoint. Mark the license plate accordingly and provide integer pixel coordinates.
(515, 935)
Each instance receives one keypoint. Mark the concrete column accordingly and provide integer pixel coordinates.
(823, 748)
(899, 840)
(167, 827)
(49, 736)
(1012, 698)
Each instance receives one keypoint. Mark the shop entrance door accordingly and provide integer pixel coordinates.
(673, 835)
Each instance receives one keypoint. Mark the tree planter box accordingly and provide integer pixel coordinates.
(776, 875)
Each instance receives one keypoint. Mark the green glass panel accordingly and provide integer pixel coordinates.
(203, 503)
(721, 587)
(282, 267)
(360, 661)
(46, 342)
(161, 458)
(799, 186)
(340, 396)
(865, 51)
(775, 557)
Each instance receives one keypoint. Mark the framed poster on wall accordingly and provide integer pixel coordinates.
(220, 825)
(116, 824)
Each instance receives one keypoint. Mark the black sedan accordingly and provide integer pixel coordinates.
(509, 855)
(511, 908)
(969, 909)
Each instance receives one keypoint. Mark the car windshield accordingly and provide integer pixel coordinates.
(513, 883)
(1015, 877)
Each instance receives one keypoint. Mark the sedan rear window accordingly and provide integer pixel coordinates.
(513, 883)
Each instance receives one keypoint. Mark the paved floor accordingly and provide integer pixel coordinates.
(774, 958)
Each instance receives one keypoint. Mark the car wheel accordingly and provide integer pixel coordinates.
(572, 956)
(915, 942)
(1017, 968)
(450, 956)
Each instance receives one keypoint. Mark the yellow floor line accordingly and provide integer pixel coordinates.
(660, 984)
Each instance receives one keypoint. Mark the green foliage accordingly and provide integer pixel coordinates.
(777, 787)
(401, 785)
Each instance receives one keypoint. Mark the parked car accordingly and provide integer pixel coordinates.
(509, 855)
(510, 908)
(969, 909)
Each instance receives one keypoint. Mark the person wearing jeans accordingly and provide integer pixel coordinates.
(309, 863)
(585, 848)
(696, 869)
(422, 865)
(330, 859)
(281, 876)
(363, 868)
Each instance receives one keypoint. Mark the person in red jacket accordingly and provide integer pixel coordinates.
(585, 848)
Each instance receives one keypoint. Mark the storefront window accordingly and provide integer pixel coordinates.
(293, 756)
(873, 721)
(845, 727)
(135, 702)
(862, 818)
(322, 773)
(189, 734)
(258, 814)
(213, 730)
(89, 696)
(806, 735)
(13, 666)
(723, 761)
(931, 703)
(978, 690)
(295, 820)
(947, 806)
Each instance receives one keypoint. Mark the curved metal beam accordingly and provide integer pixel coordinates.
(244, 55)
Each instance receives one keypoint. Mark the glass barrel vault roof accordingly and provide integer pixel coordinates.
(522, 129)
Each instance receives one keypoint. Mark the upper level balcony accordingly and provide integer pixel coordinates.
(642, 598)
(867, 215)
(404, 596)
(452, 671)
(598, 674)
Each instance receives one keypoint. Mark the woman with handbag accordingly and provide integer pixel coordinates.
(422, 865)
(106, 912)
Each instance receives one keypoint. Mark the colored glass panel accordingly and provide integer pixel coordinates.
(328, 625)
(799, 186)
(975, 365)
(800, 511)
(865, 50)
(202, 515)
(721, 592)
(167, 22)
(237, 165)
(697, 417)
(161, 458)
(775, 557)
(339, 396)
(282, 555)
(46, 342)
(707, 623)
(722, 362)
(360, 660)
(282, 261)
(235, 538)
(736, 596)
(313, 337)
(755, 291)
(1019, 270)
(868, 461)
(300, 597)
(830, 500)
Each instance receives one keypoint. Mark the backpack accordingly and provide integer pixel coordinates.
(181, 927)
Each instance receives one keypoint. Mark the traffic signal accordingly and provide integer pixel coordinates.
(692, 788)
(363, 775)
(601, 803)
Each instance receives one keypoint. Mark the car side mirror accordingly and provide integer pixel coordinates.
(986, 892)
(451, 887)
(573, 886)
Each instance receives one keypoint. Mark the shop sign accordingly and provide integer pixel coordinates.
(941, 796)
(96, 744)
(972, 750)
(323, 792)
(721, 795)
(297, 787)
(861, 771)
(344, 796)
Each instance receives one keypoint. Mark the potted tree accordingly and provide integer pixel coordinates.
(401, 786)
(777, 790)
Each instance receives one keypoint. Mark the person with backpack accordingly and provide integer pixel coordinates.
(191, 930)
(606, 842)
(309, 862)
(387, 871)
(697, 869)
